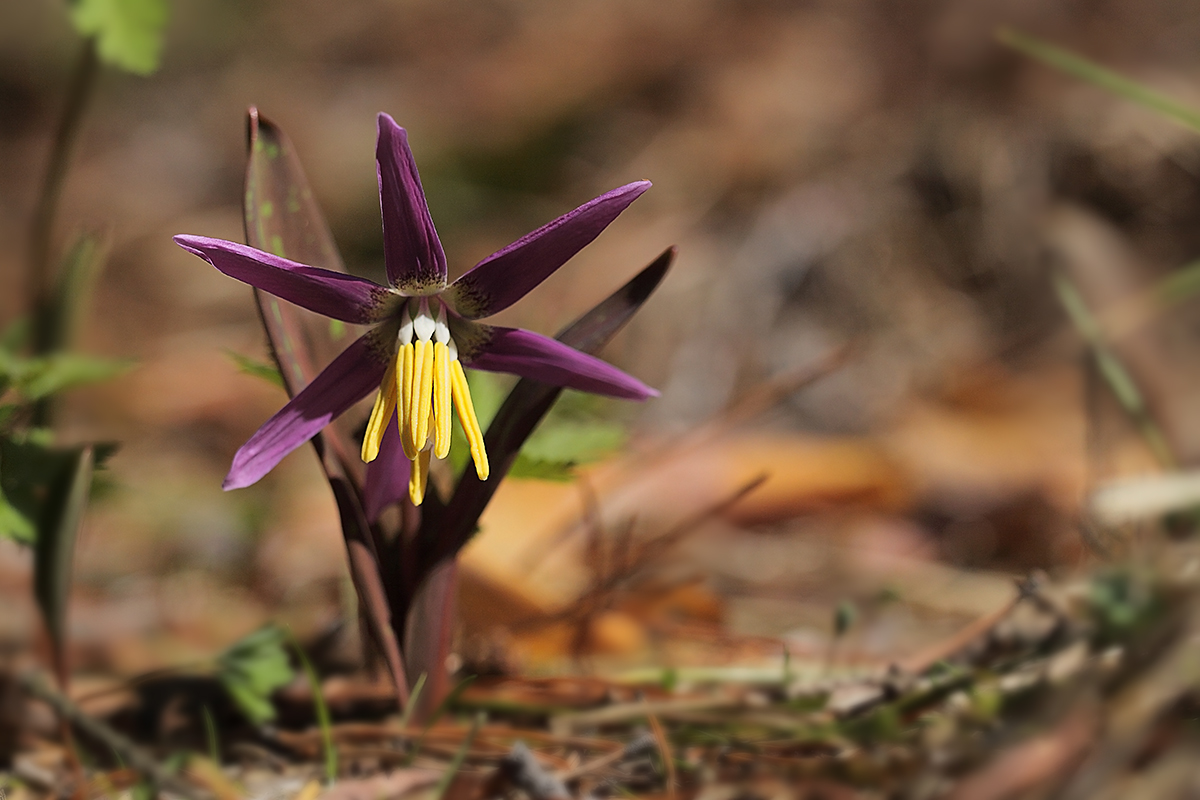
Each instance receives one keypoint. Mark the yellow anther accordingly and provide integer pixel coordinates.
(466, 415)
(422, 399)
(441, 400)
(418, 478)
(381, 414)
(406, 358)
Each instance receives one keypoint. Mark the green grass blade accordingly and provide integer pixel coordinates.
(210, 734)
(459, 757)
(1180, 285)
(1120, 381)
(1093, 73)
(413, 698)
(322, 712)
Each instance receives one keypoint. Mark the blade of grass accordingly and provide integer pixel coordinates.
(414, 697)
(450, 700)
(1114, 372)
(1093, 73)
(439, 791)
(447, 701)
(1179, 285)
(210, 734)
(321, 710)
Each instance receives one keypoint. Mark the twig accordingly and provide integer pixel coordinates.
(130, 753)
(940, 651)
(597, 597)
(639, 746)
(616, 714)
(759, 399)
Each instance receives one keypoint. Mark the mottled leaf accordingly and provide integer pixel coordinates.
(281, 216)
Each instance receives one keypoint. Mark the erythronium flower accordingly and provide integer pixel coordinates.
(424, 333)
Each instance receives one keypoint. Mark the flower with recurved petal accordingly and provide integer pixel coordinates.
(424, 332)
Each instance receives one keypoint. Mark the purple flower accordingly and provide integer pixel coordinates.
(424, 333)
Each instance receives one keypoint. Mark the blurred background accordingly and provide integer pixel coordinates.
(874, 190)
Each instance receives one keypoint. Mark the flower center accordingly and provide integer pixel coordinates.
(423, 382)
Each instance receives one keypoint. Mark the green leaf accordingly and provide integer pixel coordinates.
(570, 435)
(54, 553)
(1106, 79)
(15, 525)
(42, 377)
(80, 269)
(533, 469)
(128, 33)
(29, 470)
(16, 335)
(253, 668)
(258, 369)
(574, 441)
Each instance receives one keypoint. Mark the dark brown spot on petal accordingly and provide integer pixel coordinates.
(471, 338)
(468, 300)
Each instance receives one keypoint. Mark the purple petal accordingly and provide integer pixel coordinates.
(507, 275)
(334, 294)
(412, 251)
(352, 376)
(541, 358)
(387, 475)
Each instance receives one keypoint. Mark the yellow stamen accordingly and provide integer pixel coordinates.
(466, 415)
(441, 400)
(418, 478)
(407, 359)
(422, 398)
(381, 414)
